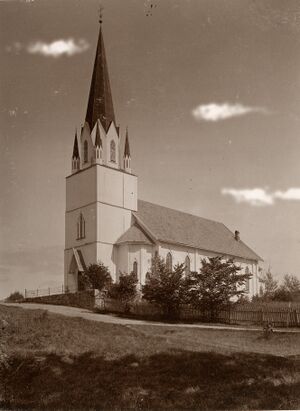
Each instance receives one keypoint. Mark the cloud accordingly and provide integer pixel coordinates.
(217, 112)
(261, 196)
(58, 48)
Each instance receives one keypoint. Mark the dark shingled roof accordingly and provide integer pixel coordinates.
(134, 235)
(75, 148)
(172, 226)
(100, 104)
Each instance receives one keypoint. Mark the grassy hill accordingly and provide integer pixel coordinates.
(55, 362)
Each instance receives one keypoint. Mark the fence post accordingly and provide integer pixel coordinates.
(49, 290)
(37, 292)
(62, 289)
(25, 293)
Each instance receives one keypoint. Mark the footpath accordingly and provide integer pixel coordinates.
(114, 319)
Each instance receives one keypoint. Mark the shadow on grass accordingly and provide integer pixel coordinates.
(167, 380)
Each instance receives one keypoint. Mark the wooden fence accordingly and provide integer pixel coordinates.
(43, 292)
(282, 316)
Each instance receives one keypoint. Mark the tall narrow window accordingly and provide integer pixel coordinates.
(80, 227)
(187, 263)
(113, 151)
(85, 152)
(135, 268)
(169, 264)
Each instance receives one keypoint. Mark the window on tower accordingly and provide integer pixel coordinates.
(80, 227)
(85, 152)
(113, 151)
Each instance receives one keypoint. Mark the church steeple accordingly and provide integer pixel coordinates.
(100, 104)
(75, 156)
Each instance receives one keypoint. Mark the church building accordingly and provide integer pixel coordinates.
(106, 222)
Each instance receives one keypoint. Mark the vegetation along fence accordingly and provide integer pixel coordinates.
(279, 316)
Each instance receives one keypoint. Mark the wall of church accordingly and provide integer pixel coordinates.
(81, 188)
(112, 222)
(130, 253)
(116, 188)
(179, 254)
(106, 254)
(89, 214)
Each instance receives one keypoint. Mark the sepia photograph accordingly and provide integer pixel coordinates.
(150, 204)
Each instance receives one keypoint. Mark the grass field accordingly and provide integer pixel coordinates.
(56, 362)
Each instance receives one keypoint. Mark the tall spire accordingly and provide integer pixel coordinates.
(100, 104)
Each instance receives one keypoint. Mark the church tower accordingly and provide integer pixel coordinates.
(101, 191)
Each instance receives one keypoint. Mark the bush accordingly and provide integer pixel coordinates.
(14, 297)
(165, 287)
(96, 276)
(125, 290)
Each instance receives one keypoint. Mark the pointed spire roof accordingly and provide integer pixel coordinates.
(98, 140)
(127, 148)
(100, 104)
(75, 147)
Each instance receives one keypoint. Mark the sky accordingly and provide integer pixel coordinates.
(210, 92)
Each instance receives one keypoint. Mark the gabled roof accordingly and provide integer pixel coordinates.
(79, 260)
(176, 227)
(134, 235)
(100, 104)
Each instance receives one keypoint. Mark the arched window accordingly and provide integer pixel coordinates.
(169, 264)
(187, 263)
(80, 227)
(113, 151)
(135, 268)
(85, 152)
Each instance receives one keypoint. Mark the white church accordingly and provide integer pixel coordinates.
(105, 221)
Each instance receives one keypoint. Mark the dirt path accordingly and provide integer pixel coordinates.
(113, 319)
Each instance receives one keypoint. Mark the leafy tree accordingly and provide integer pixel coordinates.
(291, 283)
(270, 285)
(96, 276)
(125, 290)
(216, 284)
(14, 297)
(165, 287)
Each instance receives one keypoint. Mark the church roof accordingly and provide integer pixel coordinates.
(176, 227)
(100, 104)
(134, 235)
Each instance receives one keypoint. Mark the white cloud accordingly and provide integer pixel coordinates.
(261, 196)
(290, 194)
(217, 112)
(58, 48)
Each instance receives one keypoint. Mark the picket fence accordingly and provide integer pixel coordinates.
(282, 316)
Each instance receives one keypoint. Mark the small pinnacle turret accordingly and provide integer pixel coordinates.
(127, 157)
(75, 156)
(98, 140)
